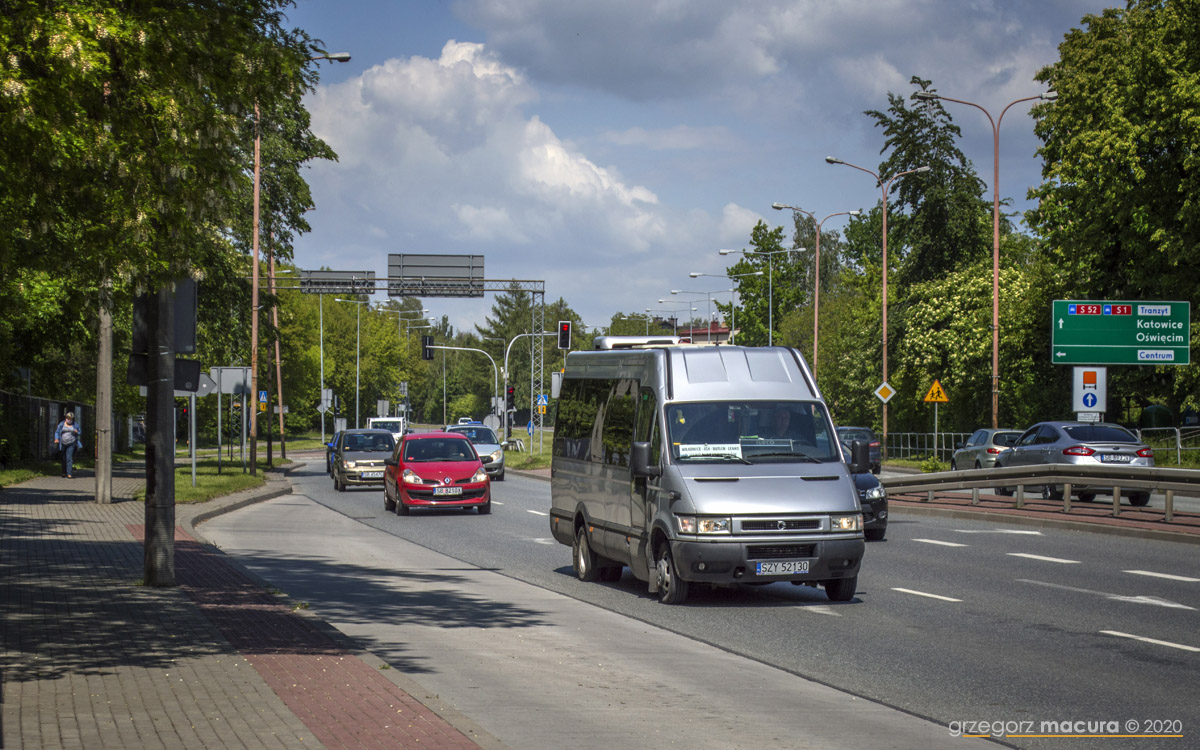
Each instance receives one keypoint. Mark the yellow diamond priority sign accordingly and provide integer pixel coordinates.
(937, 394)
(885, 392)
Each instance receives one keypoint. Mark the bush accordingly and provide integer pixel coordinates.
(932, 464)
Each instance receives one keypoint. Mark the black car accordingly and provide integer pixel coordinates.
(330, 448)
(849, 434)
(873, 498)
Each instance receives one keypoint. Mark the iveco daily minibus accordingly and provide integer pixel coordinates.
(702, 464)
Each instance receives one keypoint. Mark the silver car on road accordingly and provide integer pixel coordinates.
(1078, 443)
(981, 450)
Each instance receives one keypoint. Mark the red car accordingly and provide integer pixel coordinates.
(436, 470)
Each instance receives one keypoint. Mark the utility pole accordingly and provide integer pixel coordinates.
(104, 388)
(160, 440)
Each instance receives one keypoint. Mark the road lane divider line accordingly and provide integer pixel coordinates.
(1155, 641)
(923, 593)
(536, 512)
(1157, 601)
(940, 542)
(1024, 532)
(1168, 576)
(1043, 558)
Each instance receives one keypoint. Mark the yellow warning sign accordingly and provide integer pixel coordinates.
(937, 394)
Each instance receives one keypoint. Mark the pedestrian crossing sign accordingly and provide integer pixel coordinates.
(937, 394)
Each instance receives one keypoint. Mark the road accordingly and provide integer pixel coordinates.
(954, 621)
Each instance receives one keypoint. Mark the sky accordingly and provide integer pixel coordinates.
(611, 148)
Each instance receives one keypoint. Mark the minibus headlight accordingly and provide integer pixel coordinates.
(851, 522)
(694, 525)
(876, 493)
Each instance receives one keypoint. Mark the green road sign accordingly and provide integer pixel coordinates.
(1120, 333)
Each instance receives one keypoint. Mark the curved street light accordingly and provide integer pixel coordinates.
(886, 187)
(816, 268)
(1048, 96)
(733, 302)
(770, 283)
(709, 295)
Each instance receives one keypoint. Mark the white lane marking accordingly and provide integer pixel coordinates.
(1155, 600)
(821, 609)
(497, 502)
(537, 512)
(998, 531)
(1043, 558)
(1151, 640)
(546, 540)
(922, 593)
(937, 541)
(1168, 576)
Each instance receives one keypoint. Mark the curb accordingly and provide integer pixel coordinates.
(529, 474)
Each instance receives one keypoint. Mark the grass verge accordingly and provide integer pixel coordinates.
(210, 484)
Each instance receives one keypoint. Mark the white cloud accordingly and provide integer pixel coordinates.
(736, 223)
(677, 138)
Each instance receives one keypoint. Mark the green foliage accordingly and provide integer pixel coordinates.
(932, 465)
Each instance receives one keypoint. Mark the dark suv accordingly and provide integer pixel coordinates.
(849, 434)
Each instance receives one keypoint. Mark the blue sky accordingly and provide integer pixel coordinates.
(610, 148)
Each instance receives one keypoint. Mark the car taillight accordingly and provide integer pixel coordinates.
(1146, 453)
(1078, 450)
(875, 444)
(994, 450)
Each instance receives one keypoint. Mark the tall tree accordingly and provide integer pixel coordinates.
(1119, 206)
(944, 220)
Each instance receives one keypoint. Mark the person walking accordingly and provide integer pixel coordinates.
(68, 439)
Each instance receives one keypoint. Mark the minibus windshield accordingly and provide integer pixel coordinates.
(751, 432)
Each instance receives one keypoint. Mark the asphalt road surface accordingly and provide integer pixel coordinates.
(966, 624)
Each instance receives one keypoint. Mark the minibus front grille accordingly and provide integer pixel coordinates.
(780, 551)
(782, 524)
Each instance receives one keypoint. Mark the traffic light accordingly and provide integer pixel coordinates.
(564, 334)
(511, 400)
(426, 343)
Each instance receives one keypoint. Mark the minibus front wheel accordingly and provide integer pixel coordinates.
(587, 562)
(671, 588)
(841, 589)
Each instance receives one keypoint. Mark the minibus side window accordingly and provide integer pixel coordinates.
(647, 424)
(618, 423)
(578, 409)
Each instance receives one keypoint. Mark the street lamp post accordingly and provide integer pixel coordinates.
(337, 57)
(675, 315)
(770, 283)
(1049, 96)
(816, 269)
(357, 353)
(733, 302)
(886, 188)
(709, 296)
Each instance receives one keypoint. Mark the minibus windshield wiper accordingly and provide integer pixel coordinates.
(788, 454)
(726, 456)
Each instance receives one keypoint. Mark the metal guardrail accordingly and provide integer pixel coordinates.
(925, 444)
(1131, 478)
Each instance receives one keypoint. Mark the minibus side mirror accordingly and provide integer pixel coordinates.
(860, 457)
(640, 461)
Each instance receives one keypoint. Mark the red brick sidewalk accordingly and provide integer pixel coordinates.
(341, 700)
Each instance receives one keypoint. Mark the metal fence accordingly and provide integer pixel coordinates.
(924, 444)
(1178, 439)
(27, 425)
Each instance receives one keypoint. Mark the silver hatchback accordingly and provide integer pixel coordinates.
(981, 450)
(1077, 443)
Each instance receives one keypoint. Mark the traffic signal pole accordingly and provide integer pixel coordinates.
(507, 426)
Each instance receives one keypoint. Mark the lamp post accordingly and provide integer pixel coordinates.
(709, 296)
(675, 315)
(357, 353)
(816, 268)
(1049, 96)
(733, 302)
(337, 57)
(886, 188)
(770, 283)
